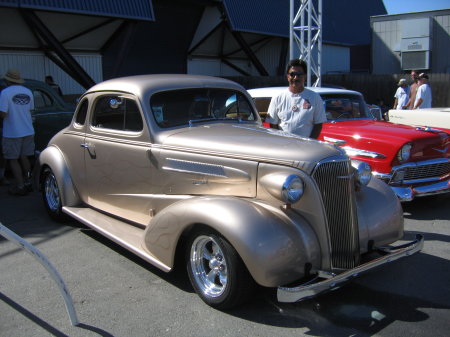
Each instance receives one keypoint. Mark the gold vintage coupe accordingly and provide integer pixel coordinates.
(178, 164)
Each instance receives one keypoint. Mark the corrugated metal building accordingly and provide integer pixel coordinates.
(99, 39)
(65, 39)
(403, 42)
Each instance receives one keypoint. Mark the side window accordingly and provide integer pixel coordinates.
(82, 112)
(117, 113)
(42, 99)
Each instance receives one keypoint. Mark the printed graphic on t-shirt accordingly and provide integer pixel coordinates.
(306, 104)
(21, 99)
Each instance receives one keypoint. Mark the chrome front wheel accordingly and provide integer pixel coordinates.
(216, 271)
(209, 266)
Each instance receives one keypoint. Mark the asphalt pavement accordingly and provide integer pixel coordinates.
(118, 294)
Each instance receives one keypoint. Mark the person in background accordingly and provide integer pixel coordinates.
(412, 89)
(49, 80)
(3, 180)
(423, 96)
(16, 103)
(297, 110)
(401, 95)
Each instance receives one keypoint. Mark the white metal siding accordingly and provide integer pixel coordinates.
(35, 65)
(440, 54)
(386, 43)
(386, 47)
(335, 59)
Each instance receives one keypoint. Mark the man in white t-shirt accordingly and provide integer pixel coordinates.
(401, 95)
(297, 110)
(16, 103)
(423, 96)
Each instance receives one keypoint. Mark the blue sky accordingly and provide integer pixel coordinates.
(406, 6)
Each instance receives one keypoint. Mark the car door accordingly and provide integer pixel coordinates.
(117, 159)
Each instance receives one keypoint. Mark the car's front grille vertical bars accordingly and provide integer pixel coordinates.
(335, 182)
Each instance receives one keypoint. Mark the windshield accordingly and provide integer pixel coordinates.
(339, 107)
(187, 106)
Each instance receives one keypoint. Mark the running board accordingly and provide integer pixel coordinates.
(122, 233)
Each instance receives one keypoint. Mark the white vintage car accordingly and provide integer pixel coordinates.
(438, 118)
(179, 165)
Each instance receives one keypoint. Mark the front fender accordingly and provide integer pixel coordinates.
(53, 158)
(380, 215)
(274, 246)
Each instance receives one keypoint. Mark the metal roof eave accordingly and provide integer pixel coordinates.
(141, 10)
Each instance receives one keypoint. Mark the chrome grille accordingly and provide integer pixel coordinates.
(335, 181)
(427, 171)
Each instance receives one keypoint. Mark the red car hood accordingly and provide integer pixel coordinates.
(387, 139)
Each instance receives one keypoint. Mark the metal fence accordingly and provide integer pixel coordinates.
(373, 87)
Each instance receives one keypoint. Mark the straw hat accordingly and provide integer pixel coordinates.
(13, 76)
(401, 82)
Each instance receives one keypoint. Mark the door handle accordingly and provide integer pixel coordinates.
(87, 145)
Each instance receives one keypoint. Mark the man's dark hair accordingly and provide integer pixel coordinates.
(297, 63)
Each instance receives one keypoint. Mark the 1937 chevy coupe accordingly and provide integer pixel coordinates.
(177, 164)
(415, 162)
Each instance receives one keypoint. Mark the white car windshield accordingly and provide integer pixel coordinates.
(339, 107)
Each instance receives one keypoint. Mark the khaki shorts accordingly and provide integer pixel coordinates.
(14, 148)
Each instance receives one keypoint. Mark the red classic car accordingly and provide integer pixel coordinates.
(413, 161)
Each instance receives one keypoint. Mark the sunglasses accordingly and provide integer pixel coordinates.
(293, 74)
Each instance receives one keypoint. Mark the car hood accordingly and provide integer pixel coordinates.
(250, 142)
(373, 129)
(387, 137)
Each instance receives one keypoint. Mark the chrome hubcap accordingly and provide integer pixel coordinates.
(51, 192)
(209, 266)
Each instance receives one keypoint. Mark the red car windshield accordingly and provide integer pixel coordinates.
(339, 107)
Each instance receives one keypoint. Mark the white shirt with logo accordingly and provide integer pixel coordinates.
(296, 113)
(17, 101)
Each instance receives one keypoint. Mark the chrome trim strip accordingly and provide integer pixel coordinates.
(428, 129)
(187, 166)
(335, 140)
(219, 171)
(334, 281)
(422, 163)
(363, 153)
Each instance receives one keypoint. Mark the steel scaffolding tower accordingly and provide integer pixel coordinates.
(306, 35)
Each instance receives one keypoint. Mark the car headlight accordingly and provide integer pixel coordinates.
(404, 153)
(285, 187)
(292, 189)
(363, 172)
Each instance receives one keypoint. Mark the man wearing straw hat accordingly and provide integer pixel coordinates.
(16, 102)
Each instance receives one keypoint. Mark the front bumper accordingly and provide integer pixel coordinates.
(410, 192)
(326, 281)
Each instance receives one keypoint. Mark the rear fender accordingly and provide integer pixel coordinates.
(53, 158)
(274, 246)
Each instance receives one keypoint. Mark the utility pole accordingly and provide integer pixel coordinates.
(305, 38)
